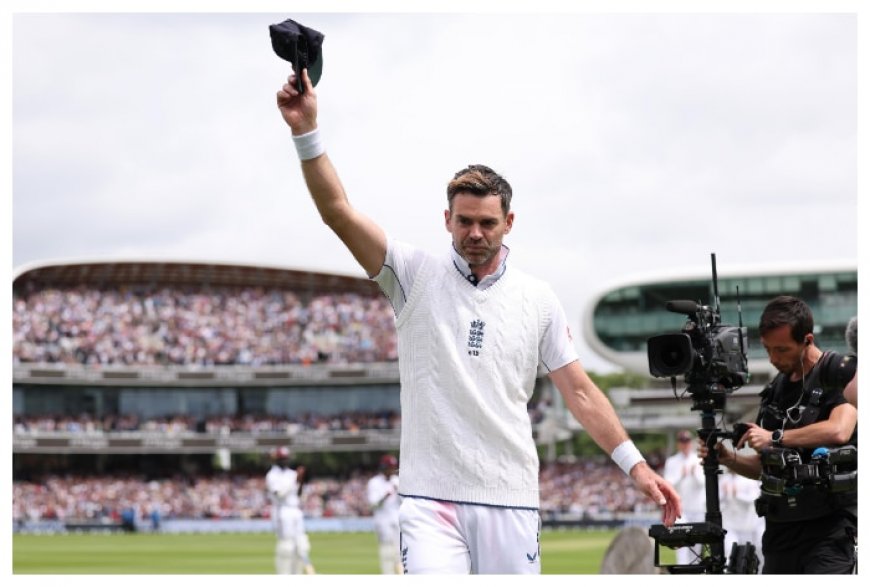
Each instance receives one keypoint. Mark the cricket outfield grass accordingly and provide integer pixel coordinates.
(563, 552)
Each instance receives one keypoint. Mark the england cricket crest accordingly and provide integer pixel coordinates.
(475, 337)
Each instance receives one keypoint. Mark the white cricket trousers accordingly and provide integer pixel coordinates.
(291, 551)
(387, 531)
(442, 537)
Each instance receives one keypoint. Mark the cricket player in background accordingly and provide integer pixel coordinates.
(383, 497)
(284, 485)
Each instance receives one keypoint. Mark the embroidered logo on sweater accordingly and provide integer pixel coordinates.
(475, 337)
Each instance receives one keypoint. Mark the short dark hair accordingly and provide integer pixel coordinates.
(787, 310)
(480, 180)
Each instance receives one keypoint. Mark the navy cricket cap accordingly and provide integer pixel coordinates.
(301, 46)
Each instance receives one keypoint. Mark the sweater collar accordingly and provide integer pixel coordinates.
(464, 269)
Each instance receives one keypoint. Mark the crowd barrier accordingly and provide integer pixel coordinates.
(191, 526)
(314, 525)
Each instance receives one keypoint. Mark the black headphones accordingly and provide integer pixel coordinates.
(806, 345)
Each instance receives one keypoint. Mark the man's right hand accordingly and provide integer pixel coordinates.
(299, 110)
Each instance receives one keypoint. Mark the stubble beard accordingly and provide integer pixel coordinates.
(483, 257)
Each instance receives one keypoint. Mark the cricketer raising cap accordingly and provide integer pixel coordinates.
(301, 46)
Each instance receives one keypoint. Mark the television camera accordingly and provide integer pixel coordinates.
(712, 358)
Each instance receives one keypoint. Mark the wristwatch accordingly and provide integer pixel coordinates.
(776, 437)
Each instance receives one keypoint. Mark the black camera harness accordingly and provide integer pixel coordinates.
(789, 493)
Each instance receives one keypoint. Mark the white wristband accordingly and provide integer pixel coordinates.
(626, 456)
(308, 146)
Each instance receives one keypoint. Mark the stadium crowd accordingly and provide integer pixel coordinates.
(215, 326)
(231, 326)
(222, 425)
(589, 487)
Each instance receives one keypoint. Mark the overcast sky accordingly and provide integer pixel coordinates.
(635, 143)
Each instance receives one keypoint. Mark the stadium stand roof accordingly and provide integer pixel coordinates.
(106, 273)
(631, 297)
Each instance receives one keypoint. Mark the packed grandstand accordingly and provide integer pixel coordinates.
(84, 432)
(124, 325)
(591, 488)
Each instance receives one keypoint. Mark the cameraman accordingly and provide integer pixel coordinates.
(809, 529)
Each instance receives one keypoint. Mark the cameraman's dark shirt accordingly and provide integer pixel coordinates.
(838, 372)
(800, 536)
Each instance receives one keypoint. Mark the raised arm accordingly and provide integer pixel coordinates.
(365, 239)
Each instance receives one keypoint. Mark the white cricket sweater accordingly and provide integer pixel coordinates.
(468, 361)
(282, 486)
